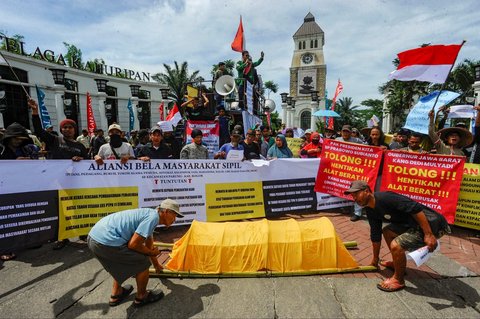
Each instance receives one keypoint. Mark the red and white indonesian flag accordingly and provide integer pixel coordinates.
(174, 116)
(431, 63)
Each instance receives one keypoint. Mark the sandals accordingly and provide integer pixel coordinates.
(150, 298)
(8, 256)
(126, 291)
(390, 285)
(387, 264)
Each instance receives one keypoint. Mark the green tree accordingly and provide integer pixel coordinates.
(372, 107)
(461, 79)
(275, 120)
(176, 78)
(271, 87)
(347, 113)
(14, 45)
(73, 56)
(229, 67)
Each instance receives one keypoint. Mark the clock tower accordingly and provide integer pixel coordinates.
(308, 73)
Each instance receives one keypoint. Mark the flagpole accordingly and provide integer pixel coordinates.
(443, 84)
(15, 74)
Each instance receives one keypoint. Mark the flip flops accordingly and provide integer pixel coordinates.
(390, 285)
(126, 291)
(150, 298)
(387, 264)
(8, 256)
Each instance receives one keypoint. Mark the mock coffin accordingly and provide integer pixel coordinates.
(280, 246)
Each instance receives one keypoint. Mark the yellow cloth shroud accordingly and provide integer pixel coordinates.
(284, 246)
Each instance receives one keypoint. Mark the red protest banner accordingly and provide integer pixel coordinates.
(91, 125)
(431, 180)
(341, 163)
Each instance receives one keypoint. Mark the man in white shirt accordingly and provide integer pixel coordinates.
(115, 148)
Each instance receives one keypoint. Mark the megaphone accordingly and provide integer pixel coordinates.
(269, 105)
(225, 85)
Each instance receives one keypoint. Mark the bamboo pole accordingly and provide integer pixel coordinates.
(348, 244)
(258, 274)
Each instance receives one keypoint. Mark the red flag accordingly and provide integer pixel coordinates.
(174, 115)
(431, 63)
(91, 125)
(238, 43)
(160, 110)
(338, 90)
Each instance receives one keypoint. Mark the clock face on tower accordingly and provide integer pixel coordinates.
(307, 58)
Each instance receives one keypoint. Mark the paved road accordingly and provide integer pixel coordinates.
(69, 283)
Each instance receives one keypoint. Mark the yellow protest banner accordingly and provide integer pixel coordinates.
(81, 208)
(293, 144)
(468, 205)
(225, 200)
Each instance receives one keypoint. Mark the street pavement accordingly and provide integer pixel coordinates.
(70, 283)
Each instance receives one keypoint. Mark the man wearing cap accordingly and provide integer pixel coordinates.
(169, 139)
(233, 145)
(115, 148)
(156, 148)
(330, 133)
(401, 140)
(266, 141)
(195, 150)
(347, 137)
(123, 243)
(314, 148)
(412, 226)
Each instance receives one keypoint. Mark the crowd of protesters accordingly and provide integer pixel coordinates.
(259, 142)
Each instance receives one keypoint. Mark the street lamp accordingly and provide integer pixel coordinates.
(135, 89)
(289, 100)
(284, 97)
(58, 76)
(477, 72)
(314, 95)
(101, 85)
(164, 92)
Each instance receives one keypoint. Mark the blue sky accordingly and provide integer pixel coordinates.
(361, 37)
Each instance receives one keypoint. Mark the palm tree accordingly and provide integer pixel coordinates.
(346, 111)
(271, 87)
(176, 79)
(229, 67)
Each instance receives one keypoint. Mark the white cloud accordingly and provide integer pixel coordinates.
(361, 38)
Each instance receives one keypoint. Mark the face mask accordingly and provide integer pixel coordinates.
(116, 141)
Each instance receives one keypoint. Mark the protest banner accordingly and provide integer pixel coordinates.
(468, 206)
(418, 115)
(211, 134)
(341, 163)
(80, 193)
(294, 144)
(432, 180)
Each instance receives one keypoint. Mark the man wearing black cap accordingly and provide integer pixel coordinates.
(156, 149)
(412, 226)
(195, 150)
(233, 145)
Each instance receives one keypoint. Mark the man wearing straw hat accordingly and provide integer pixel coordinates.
(123, 243)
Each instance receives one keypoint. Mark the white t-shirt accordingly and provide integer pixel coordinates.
(106, 153)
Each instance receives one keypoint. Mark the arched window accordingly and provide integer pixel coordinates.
(71, 103)
(316, 43)
(305, 119)
(14, 103)
(111, 106)
(144, 112)
(300, 45)
(311, 44)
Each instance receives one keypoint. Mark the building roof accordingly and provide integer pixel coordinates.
(308, 27)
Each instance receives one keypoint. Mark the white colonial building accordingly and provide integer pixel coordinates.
(66, 90)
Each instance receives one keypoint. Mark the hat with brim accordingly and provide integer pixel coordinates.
(356, 186)
(466, 138)
(329, 130)
(171, 205)
(366, 131)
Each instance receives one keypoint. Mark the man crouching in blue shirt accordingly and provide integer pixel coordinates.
(123, 243)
